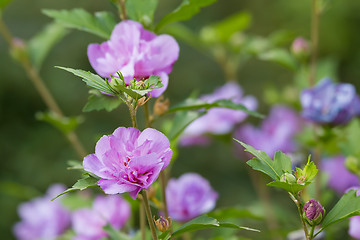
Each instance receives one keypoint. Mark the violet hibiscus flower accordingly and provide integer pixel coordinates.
(136, 53)
(218, 121)
(42, 218)
(330, 103)
(129, 160)
(88, 223)
(277, 131)
(189, 196)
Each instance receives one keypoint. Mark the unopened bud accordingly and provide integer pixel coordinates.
(163, 224)
(161, 106)
(288, 178)
(313, 212)
(300, 48)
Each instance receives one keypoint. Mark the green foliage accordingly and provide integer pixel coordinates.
(98, 101)
(280, 56)
(101, 24)
(233, 212)
(142, 10)
(64, 124)
(202, 222)
(40, 45)
(223, 30)
(290, 187)
(3, 4)
(18, 191)
(186, 10)
(308, 173)
(263, 163)
(81, 184)
(115, 234)
(347, 206)
(181, 121)
(197, 104)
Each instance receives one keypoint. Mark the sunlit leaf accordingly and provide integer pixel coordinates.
(186, 10)
(40, 45)
(81, 184)
(100, 24)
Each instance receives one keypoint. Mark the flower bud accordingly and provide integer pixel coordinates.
(288, 178)
(163, 224)
(300, 48)
(313, 212)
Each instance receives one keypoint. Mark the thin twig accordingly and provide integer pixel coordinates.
(148, 214)
(315, 19)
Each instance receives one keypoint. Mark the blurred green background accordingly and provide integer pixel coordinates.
(34, 154)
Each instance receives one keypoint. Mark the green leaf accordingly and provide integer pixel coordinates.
(280, 56)
(290, 187)
(40, 45)
(64, 124)
(90, 79)
(263, 163)
(81, 184)
(181, 121)
(233, 212)
(347, 206)
(186, 10)
(4, 3)
(309, 172)
(141, 10)
(232, 225)
(196, 104)
(98, 101)
(222, 31)
(198, 223)
(75, 165)
(101, 24)
(19, 191)
(115, 234)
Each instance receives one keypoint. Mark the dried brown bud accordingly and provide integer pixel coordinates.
(142, 101)
(163, 224)
(161, 106)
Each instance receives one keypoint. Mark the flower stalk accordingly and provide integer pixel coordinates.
(315, 19)
(148, 214)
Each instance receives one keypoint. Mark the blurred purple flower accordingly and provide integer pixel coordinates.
(354, 227)
(129, 160)
(276, 132)
(340, 179)
(42, 218)
(88, 223)
(136, 52)
(189, 196)
(331, 103)
(218, 120)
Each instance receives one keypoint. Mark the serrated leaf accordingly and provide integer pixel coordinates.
(91, 79)
(81, 184)
(141, 10)
(263, 163)
(280, 56)
(309, 172)
(186, 10)
(100, 24)
(40, 45)
(347, 206)
(181, 121)
(290, 187)
(64, 124)
(196, 104)
(101, 102)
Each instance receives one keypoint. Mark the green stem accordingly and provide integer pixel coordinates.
(315, 19)
(147, 115)
(142, 221)
(43, 91)
(312, 232)
(297, 202)
(122, 10)
(148, 214)
(132, 111)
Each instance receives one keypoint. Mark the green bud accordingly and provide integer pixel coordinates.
(288, 178)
